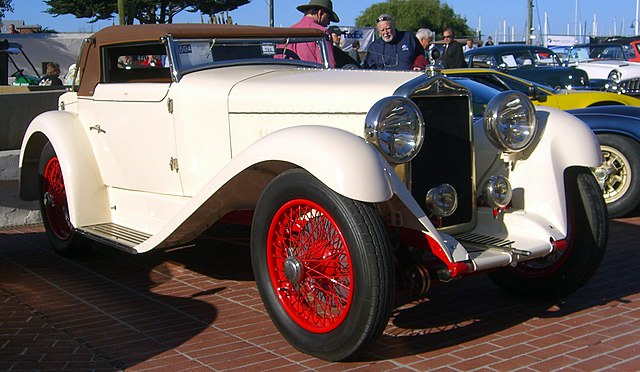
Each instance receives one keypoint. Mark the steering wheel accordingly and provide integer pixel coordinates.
(286, 54)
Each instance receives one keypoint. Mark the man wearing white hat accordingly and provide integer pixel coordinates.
(317, 14)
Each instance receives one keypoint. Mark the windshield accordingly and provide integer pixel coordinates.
(524, 58)
(197, 54)
(502, 83)
(600, 52)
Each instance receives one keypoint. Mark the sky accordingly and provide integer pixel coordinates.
(492, 17)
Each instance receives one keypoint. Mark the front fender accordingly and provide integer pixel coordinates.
(83, 183)
(566, 141)
(343, 161)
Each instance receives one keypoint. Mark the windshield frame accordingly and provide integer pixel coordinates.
(253, 51)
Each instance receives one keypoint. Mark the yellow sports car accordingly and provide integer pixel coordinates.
(542, 95)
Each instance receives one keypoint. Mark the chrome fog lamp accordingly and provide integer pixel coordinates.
(395, 125)
(497, 191)
(510, 121)
(442, 200)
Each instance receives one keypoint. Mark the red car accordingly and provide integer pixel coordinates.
(635, 48)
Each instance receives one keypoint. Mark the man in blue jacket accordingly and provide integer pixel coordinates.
(393, 50)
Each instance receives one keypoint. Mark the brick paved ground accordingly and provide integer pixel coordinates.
(198, 309)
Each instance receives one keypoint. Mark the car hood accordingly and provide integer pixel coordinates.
(310, 91)
(623, 120)
(608, 63)
(601, 69)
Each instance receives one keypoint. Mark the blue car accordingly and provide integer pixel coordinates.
(618, 130)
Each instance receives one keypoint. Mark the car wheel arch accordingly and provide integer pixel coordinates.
(78, 165)
(30, 155)
(338, 158)
(606, 103)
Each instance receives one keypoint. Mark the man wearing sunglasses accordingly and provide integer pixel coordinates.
(393, 50)
(453, 56)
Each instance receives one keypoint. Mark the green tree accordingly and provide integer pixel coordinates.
(5, 6)
(410, 15)
(144, 11)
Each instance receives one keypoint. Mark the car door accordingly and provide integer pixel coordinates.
(131, 127)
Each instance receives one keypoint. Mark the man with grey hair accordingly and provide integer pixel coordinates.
(425, 37)
(393, 50)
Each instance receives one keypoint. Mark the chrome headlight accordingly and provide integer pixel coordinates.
(510, 121)
(395, 125)
(615, 75)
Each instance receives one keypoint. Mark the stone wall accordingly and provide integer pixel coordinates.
(19, 105)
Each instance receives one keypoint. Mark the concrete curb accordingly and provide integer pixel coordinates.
(13, 211)
(9, 165)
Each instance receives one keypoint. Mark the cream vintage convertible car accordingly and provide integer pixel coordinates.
(362, 187)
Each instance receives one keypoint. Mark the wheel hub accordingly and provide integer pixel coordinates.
(49, 200)
(293, 270)
(613, 174)
(602, 173)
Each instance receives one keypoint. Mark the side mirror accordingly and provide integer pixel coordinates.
(535, 95)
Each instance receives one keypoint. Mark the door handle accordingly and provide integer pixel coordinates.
(98, 129)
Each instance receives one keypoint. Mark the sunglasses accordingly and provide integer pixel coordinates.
(383, 18)
(447, 36)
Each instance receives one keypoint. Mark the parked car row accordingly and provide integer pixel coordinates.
(361, 188)
(529, 62)
(608, 62)
(607, 66)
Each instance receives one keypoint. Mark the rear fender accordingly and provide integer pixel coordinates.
(86, 194)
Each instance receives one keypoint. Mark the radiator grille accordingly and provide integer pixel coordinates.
(631, 86)
(484, 240)
(446, 156)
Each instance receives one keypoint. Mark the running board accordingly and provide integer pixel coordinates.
(115, 235)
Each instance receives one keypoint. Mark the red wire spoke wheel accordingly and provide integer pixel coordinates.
(55, 207)
(55, 200)
(323, 266)
(310, 266)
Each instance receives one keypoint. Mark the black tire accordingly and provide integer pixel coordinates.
(565, 270)
(331, 294)
(619, 174)
(53, 205)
